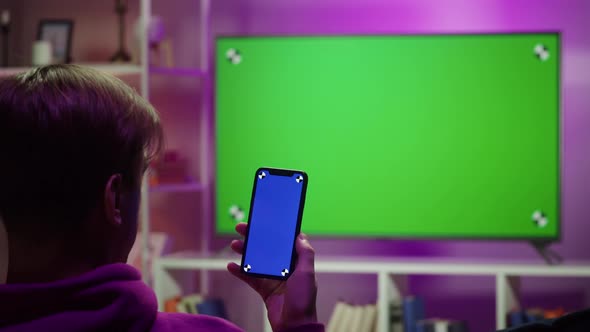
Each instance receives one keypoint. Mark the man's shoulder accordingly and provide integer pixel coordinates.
(574, 322)
(578, 321)
(176, 322)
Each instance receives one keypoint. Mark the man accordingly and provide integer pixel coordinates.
(75, 145)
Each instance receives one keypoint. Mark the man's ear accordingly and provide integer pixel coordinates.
(112, 199)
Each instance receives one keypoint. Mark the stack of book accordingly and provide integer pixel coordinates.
(407, 315)
(196, 304)
(519, 317)
(412, 313)
(348, 317)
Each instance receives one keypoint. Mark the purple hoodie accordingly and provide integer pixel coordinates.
(110, 298)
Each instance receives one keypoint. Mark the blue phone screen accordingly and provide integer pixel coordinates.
(273, 223)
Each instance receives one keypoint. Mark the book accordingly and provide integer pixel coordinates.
(212, 307)
(440, 325)
(356, 317)
(347, 318)
(432, 325)
(396, 318)
(424, 326)
(457, 326)
(368, 315)
(181, 308)
(516, 318)
(534, 315)
(413, 311)
(336, 318)
(188, 304)
(370, 318)
(171, 304)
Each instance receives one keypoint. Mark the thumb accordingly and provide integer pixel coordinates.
(305, 254)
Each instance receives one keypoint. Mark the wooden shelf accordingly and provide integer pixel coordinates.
(193, 260)
(390, 274)
(114, 69)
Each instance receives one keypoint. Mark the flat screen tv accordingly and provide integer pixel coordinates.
(408, 136)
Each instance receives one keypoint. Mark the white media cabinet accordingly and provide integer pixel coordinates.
(391, 275)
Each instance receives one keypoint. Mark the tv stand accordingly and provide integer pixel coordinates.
(175, 274)
(550, 256)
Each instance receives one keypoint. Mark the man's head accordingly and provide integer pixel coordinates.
(75, 143)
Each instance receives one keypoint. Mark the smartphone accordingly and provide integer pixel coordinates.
(274, 222)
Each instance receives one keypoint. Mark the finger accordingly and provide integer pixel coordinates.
(305, 254)
(237, 246)
(241, 228)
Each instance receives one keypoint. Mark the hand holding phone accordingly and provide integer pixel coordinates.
(272, 243)
(274, 221)
(289, 303)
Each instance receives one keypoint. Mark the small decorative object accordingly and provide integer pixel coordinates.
(170, 169)
(5, 29)
(59, 34)
(42, 53)
(122, 55)
(160, 46)
(161, 53)
(156, 32)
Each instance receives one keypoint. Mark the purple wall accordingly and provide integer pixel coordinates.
(422, 16)
(460, 297)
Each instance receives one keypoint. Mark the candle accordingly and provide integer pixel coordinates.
(5, 18)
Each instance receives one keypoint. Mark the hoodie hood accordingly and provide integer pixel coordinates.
(110, 298)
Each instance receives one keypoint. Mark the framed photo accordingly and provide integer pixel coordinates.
(59, 35)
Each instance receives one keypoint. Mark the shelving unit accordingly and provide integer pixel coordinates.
(142, 72)
(202, 184)
(391, 275)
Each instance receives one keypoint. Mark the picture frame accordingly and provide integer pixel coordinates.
(59, 34)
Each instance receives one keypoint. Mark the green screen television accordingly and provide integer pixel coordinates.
(410, 136)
